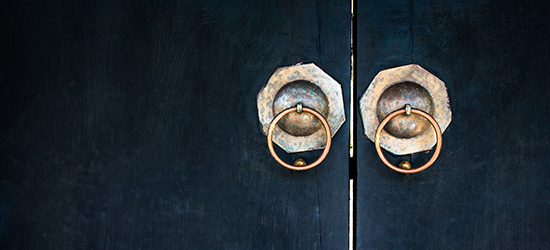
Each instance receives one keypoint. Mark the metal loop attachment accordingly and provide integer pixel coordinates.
(272, 128)
(406, 110)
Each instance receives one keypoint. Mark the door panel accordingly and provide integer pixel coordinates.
(383, 41)
(134, 125)
(488, 189)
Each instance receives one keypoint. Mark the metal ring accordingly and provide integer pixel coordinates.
(272, 128)
(428, 117)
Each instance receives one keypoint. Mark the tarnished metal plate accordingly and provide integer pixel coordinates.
(305, 81)
(372, 111)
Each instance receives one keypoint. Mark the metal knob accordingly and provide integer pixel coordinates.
(408, 111)
(307, 84)
(299, 166)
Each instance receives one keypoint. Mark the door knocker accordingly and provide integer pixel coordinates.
(405, 110)
(300, 108)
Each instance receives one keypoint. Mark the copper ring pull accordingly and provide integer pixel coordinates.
(408, 111)
(272, 128)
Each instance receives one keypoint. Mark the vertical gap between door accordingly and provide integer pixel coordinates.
(353, 128)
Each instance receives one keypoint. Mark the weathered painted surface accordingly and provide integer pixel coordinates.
(133, 124)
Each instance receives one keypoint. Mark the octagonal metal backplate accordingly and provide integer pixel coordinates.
(301, 72)
(368, 106)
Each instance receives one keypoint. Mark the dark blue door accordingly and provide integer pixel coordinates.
(133, 125)
(489, 188)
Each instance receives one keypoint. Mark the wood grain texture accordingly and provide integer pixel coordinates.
(383, 41)
(489, 188)
(134, 125)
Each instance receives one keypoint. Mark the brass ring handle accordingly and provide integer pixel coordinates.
(428, 117)
(272, 128)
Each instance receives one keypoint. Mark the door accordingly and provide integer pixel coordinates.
(489, 187)
(133, 125)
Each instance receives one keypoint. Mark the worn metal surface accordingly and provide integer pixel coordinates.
(396, 97)
(391, 90)
(306, 84)
(301, 123)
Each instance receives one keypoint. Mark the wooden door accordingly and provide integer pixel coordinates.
(133, 125)
(489, 188)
